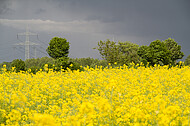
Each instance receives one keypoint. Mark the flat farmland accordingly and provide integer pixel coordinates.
(111, 96)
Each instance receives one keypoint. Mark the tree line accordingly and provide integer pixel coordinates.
(165, 52)
(158, 52)
(36, 64)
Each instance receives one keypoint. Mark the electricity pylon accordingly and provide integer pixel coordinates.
(27, 42)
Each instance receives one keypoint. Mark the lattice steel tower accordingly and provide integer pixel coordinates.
(27, 42)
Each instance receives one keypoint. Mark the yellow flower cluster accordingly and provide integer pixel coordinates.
(111, 96)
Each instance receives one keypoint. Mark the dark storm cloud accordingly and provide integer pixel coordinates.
(141, 18)
(85, 22)
(105, 11)
(121, 10)
(4, 6)
(144, 19)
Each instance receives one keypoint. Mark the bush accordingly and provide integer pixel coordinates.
(8, 65)
(18, 64)
(34, 69)
(187, 61)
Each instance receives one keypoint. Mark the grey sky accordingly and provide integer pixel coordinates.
(85, 22)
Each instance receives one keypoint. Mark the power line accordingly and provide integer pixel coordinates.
(42, 51)
(27, 45)
(41, 41)
(27, 42)
(19, 39)
(20, 50)
(42, 47)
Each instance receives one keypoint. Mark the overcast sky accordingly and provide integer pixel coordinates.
(85, 22)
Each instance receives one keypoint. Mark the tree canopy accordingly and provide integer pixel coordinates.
(187, 61)
(161, 52)
(158, 52)
(127, 53)
(58, 47)
(174, 49)
(108, 50)
(18, 64)
(122, 53)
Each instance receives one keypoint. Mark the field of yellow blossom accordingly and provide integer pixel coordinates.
(111, 96)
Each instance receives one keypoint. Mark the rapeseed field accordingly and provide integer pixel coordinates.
(152, 96)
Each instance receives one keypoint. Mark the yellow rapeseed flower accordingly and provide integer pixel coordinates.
(134, 95)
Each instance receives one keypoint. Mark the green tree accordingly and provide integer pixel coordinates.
(163, 53)
(155, 53)
(37, 64)
(159, 53)
(46, 60)
(58, 47)
(128, 53)
(144, 53)
(122, 53)
(174, 49)
(61, 62)
(18, 64)
(187, 61)
(108, 50)
(32, 62)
